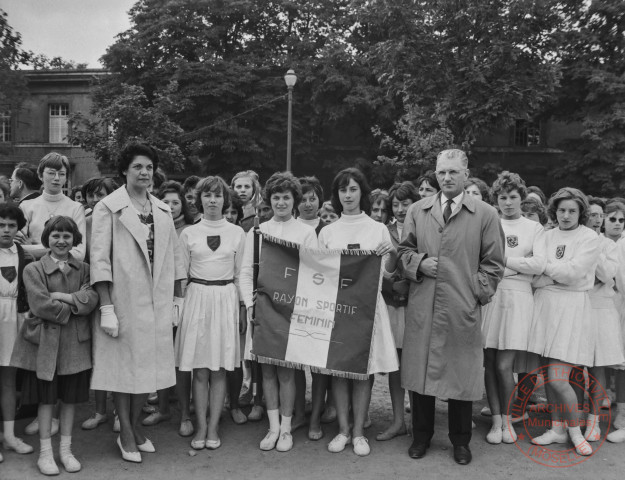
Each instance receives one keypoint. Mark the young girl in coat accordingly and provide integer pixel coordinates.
(562, 327)
(55, 345)
(13, 305)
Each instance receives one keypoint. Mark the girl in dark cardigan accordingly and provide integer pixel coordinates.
(55, 342)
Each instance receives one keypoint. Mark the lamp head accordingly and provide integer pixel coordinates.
(290, 78)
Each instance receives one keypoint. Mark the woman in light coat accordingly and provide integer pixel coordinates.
(133, 250)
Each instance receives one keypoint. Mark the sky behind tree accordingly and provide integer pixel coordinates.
(78, 30)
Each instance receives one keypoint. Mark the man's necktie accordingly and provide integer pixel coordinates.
(447, 211)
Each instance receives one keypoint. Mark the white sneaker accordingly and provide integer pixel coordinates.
(361, 446)
(508, 434)
(17, 445)
(339, 442)
(33, 427)
(549, 437)
(269, 442)
(70, 463)
(93, 421)
(494, 436)
(285, 442)
(616, 436)
(47, 465)
(485, 412)
(593, 433)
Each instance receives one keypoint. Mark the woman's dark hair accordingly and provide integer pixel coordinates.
(96, 184)
(596, 201)
(536, 190)
(507, 182)
(568, 193)
(612, 208)
(312, 183)
(61, 223)
(430, 178)
(212, 184)
(533, 205)
(133, 150)
(404, 191)
(53, 160)
(13, 212)
(481, 186)
(282, 182)
(237, 204)
(74, 191)
(342, 180)
(171, 186)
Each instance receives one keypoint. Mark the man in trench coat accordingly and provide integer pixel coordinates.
(452, 251)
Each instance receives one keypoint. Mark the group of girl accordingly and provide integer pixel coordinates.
(176, 304)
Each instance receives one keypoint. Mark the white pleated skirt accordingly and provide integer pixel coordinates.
(608, 332)
(562, 326)
(208, 334)
(397, 318)
(506, 320)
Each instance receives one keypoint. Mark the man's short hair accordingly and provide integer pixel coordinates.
(454, 153)
(27, 173)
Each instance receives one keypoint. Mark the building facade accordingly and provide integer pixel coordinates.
(40, 126)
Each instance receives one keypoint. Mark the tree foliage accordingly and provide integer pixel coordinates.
(462, 68)
(228, 60)
(593, 94)
(12, 57)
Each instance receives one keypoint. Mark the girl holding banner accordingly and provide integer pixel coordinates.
(284, 193)
(356, 230)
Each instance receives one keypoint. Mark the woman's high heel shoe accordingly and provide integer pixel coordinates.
(134, 457)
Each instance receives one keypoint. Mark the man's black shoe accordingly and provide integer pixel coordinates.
(462, 454)
(418, 449)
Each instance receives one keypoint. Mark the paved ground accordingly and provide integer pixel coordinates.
(240, 458)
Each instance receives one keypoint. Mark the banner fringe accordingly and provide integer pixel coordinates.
(340, 374)
(278, 363)
(331, 251)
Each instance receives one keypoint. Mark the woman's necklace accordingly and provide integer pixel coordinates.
(143, 205)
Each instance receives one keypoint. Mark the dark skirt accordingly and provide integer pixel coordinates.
(67, 388)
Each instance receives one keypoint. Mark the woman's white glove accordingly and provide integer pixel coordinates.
(177, 312)
(109, 321)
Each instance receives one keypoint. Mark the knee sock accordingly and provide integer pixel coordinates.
(45, 447)
(274, 420)
(9, 430)
(285, 425)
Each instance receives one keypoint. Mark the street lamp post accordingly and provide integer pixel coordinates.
(290, 79)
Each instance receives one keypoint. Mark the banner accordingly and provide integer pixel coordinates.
(316, 307)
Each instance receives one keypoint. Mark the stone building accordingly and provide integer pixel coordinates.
(41, 126)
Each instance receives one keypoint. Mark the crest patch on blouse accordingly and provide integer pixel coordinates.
(9, 273)
(560, 251)
(213, 242)
(512, 241)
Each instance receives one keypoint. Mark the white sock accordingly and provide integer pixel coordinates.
(285, 425)
(576, 433)
(274, 420)
(558, 426)
(505, 420)
(591, 419)
(66, 445)
(9, 430)
(497, 421)
(45, 447)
